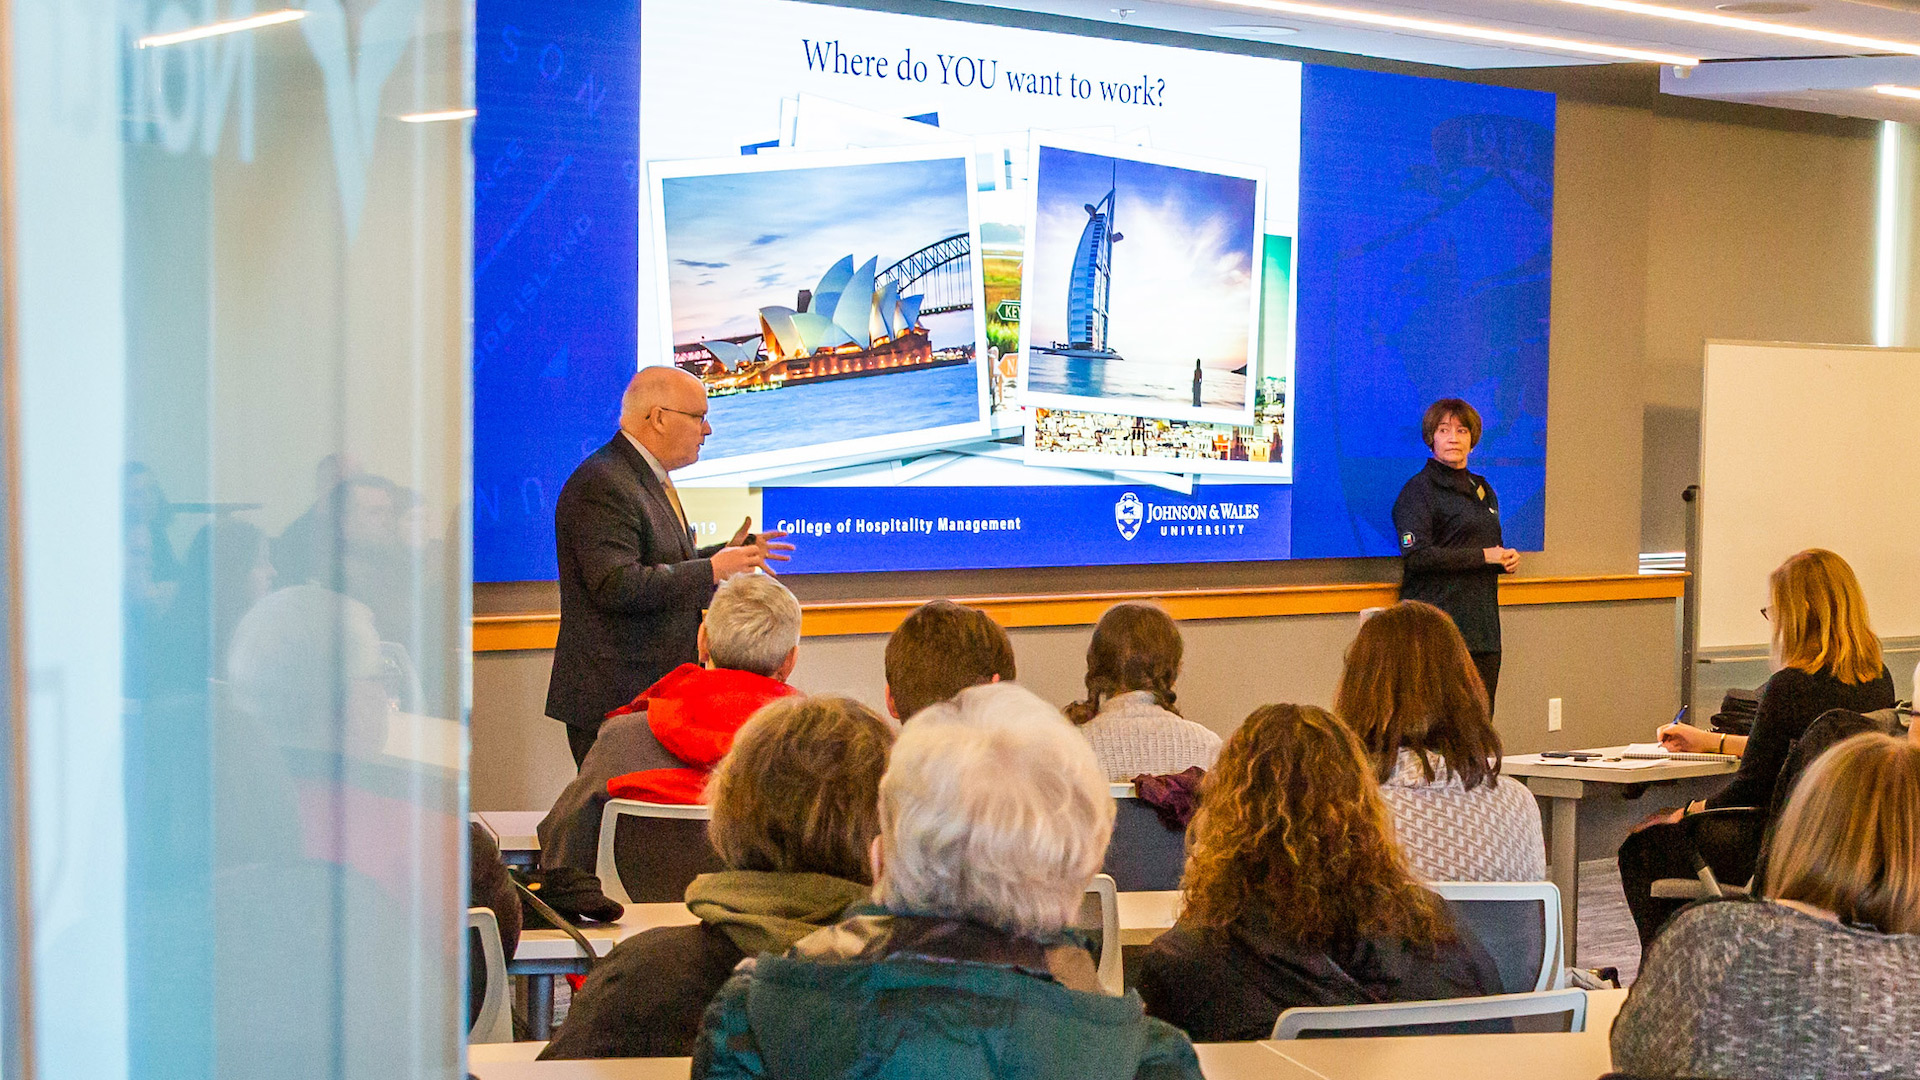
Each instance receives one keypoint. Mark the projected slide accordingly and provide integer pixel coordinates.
(969, 296)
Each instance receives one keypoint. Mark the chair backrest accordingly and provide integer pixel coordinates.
(650, 852)
(1144, 855)
(1451, 1017)
(1100, 920)
(492, 1019)
(1728, 841)
(1519, 924)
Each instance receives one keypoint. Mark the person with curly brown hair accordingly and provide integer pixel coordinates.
(1296, 894)
(1129, 714)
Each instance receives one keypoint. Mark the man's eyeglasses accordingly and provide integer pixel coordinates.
(700, 417)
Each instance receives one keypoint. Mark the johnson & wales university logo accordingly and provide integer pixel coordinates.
(1129, 515)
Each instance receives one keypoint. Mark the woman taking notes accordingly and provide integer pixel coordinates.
(1825, 656)
(1449, 525)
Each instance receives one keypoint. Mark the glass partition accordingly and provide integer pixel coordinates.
(239, 319)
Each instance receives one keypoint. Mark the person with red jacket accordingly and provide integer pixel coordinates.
(661, 746)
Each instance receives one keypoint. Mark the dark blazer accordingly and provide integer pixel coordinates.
(632, 586)
(1446, 519)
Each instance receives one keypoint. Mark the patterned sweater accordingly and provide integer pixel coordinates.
(1756, 989)
(1451, 834)
(1132, 735)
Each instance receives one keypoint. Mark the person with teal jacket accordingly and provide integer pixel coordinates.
(994, 817)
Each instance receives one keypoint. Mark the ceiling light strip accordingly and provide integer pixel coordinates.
(436, 117)
(1899, 91)
(231, 26)
(1752, 26)
(1458, 30)
(1886, 235)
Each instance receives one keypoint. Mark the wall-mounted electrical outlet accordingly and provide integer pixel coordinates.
(1553, 714)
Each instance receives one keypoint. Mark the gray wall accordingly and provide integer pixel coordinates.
(1612, 663)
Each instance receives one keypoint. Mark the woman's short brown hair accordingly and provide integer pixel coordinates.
(1136, 646)
(1410, 684)
(1819, 618)
(800, 790)
(1292, 832)
(941, 649)
(1461, 412)
(1849, 838)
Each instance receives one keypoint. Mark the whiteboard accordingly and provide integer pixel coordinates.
(1808, 446)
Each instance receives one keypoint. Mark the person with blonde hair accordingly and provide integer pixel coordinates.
(1825, 656)
(795, 809)
(1129, 714)
(1816, 979)
(1412, 694)
(1295, 893)
(994, 818)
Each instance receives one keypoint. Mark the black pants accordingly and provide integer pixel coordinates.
(1488, 664)
(1655, 852)
(580, 740)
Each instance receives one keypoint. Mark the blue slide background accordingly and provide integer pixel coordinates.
(1425, 249)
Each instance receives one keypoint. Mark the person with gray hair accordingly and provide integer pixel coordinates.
(661, 746)
(632, 582)
(994, 818)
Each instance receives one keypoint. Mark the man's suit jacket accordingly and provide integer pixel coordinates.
(632, 586)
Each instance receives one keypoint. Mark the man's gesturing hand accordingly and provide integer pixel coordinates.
(747, 551)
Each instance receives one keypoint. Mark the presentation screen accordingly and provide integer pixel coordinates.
(970, 296)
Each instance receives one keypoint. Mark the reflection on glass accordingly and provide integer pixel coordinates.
(242, 310)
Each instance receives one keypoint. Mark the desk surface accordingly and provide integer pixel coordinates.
(1580, 1056)
(1614, 773)
(1143, 917)
(513, 830)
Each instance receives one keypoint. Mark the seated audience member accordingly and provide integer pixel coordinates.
(1411, 692)
(488, 886)
(795, 810)
(993, 819)
(659, 747)
(1128, 714)
(941, 649)
(1826, 656)
(1295, 894)
(1815, 980)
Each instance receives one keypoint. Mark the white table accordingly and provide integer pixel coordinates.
(1579, 1056)
(1561, 784)
(517, 833)
(542, 954)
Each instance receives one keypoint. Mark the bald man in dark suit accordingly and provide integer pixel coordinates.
(632, 583)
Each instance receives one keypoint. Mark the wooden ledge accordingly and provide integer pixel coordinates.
(538, 629)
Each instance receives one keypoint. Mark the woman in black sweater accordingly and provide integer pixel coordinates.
(1826, 656)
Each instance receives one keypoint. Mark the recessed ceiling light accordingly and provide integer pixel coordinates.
(1459, 30)
(1900, 91)
(437, 117)
(231, 26)
(1764, 7)
(1257, 30)
(1753, 26)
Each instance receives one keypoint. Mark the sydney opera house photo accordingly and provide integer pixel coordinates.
(830, 301)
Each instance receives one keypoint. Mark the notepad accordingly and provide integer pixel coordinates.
(1656, 752)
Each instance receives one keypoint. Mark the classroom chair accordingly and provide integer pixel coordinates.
(1518, 922)
(1724, 845)
(1455, 1016)
(650, 852)
(1145, 855)
(493, 1018)
(1100, 914)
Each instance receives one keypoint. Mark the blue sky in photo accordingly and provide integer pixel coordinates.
(737, 242)
(1181, 277)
